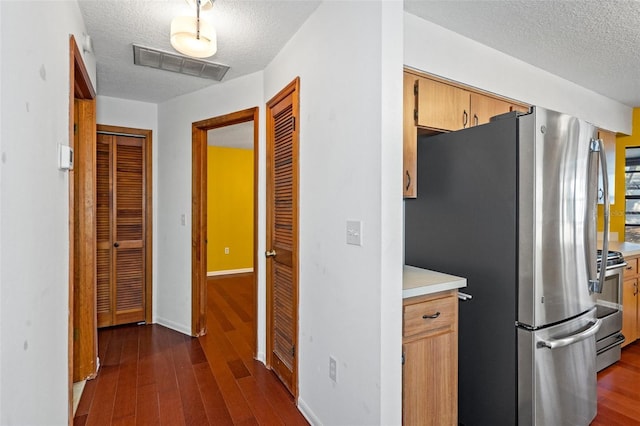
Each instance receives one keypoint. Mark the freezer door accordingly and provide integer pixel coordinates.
(557, 373)
(557, 217)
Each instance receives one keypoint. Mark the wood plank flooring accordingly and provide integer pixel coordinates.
(619, 390)
(155, 376)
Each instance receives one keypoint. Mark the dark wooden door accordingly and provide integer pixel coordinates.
(121, 229)
(282, 234)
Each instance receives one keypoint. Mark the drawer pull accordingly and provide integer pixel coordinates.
(434, 316)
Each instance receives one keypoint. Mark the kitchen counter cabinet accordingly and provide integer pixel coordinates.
(630, 301)
(430, 359)
(630, 284)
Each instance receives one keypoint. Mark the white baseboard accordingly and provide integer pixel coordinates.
(308, 414)
(229, 272)
(181, 328)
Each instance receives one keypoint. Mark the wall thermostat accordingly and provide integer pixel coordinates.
(65, 157)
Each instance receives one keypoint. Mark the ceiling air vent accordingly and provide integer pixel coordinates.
(154, 58)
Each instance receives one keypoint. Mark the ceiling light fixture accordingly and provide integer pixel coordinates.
(192, 36)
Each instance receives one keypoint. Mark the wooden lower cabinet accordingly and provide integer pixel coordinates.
(630, 301)
(430, 353)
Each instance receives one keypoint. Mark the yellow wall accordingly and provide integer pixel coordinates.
(618, 208)
(229, 208)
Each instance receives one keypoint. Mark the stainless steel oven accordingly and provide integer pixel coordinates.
(609, 311)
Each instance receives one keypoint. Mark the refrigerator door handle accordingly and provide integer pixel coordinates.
(570, 340)
(597, 146)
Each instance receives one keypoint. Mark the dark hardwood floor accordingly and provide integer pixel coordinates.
(155, 376)
(619, 390)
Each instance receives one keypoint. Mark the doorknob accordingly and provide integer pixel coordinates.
(270, 253)
(116, 244)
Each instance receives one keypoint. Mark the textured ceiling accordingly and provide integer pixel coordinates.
(250, 34)
(595, 44)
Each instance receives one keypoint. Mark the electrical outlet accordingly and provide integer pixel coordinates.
(333, 369)
(226, 250)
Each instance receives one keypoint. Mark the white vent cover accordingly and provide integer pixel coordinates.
(154, 58)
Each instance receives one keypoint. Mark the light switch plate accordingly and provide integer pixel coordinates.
(65, 157)
(354, 232)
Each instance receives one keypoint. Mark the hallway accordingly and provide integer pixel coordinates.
(153, 375)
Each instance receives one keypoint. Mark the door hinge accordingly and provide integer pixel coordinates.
(293, 123)
(415, 115)
(415, 88)
(293, 351)
(402, 358)
(75, 128)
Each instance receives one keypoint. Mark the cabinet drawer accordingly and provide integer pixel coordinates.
(430, 316)
(632, 267)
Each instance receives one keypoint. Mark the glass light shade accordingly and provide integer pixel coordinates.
(185, 41)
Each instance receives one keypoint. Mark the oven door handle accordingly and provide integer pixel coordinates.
(570, 340)
(619, 340)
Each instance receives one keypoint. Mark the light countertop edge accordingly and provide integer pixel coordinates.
(419, 282)
(627, 249)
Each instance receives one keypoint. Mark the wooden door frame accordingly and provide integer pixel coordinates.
(199, 215)
(81, 225)
(291, 88)
(148, 217)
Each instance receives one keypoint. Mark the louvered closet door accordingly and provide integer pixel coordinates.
(121, 229)
(282, 238)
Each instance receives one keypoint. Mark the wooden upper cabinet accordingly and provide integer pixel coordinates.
(432, 106)
(485, 107)
(441, 106)
(410, 137)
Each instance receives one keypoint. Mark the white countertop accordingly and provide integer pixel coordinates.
(418, 282)
(627, 249)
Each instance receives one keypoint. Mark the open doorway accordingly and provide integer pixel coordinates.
(227, 258)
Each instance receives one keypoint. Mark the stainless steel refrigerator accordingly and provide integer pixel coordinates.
(511, 206)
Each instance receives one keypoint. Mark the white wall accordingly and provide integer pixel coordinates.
(34, 207)
(434, 49)
(343, 176)
(175, 117)
(138, 115)
(1, 114)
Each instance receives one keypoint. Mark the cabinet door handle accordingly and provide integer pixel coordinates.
(475, 119)
(408, 180)
(465, 118)
(434, 316)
